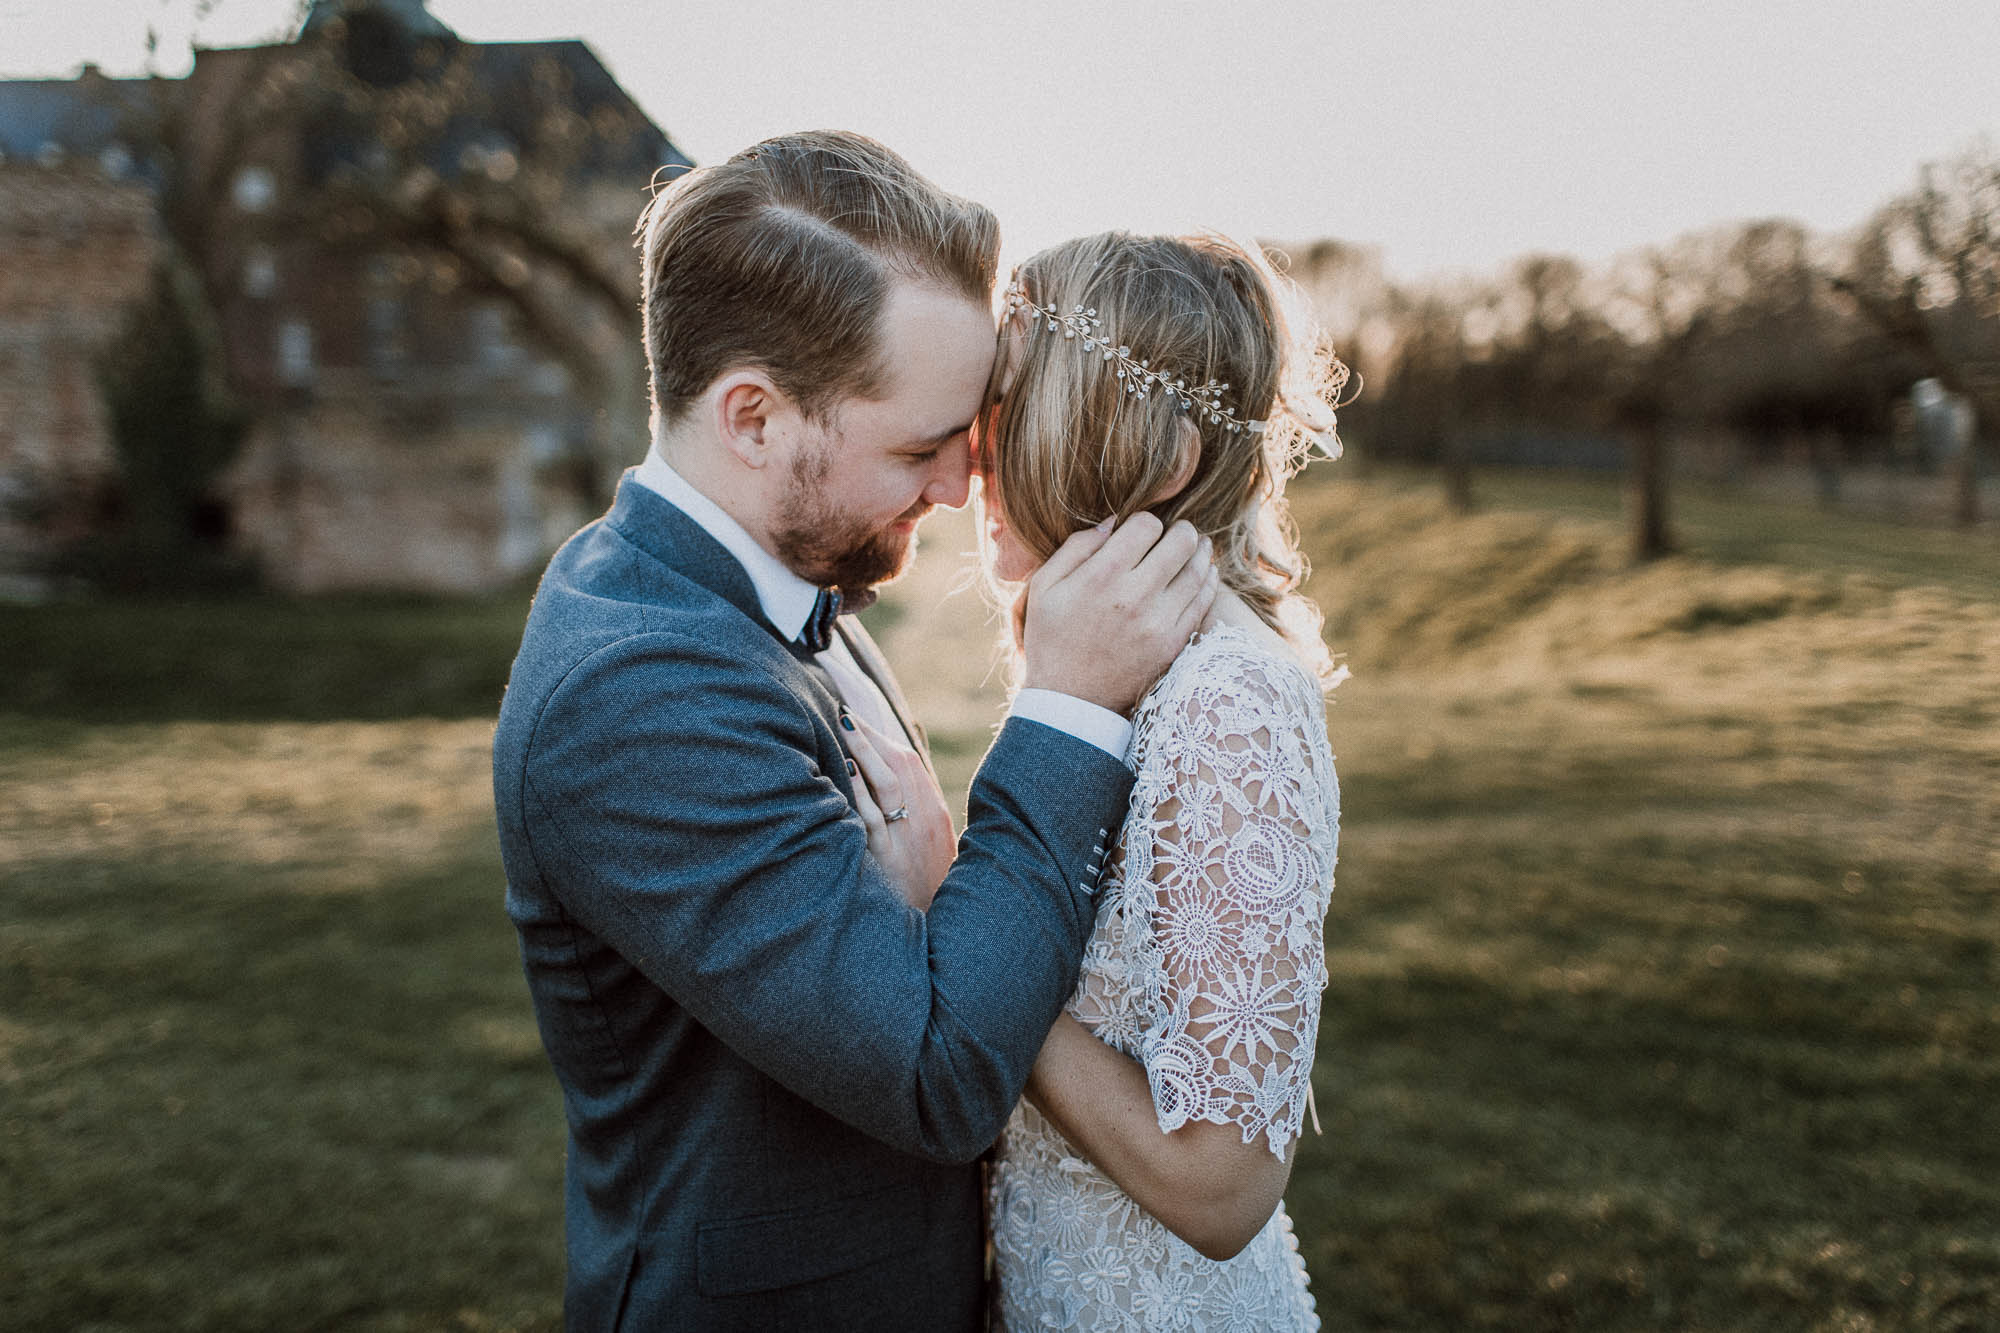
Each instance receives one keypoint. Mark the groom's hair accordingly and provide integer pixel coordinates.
(781, 258)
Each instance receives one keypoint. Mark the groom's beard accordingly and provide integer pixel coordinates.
(821, 544)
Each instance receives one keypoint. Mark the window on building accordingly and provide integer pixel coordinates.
(387, 352)
(492, 340)
(260, 272)
(255, 189)
(295, 354)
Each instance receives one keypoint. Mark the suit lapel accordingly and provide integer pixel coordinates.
(657, 526)
(872, 663)
(810, 665)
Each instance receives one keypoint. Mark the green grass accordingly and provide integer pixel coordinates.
(244, 658)
(234, 1108)
(1609, 1047)
(240, 658)
(1664, 960)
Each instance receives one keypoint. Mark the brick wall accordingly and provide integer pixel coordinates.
(402, 487)
(75, 250)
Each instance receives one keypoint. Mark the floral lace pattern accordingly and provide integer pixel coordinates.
(1206, 966)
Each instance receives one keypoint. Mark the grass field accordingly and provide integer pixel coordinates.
(1728, 526)
(1664, 952)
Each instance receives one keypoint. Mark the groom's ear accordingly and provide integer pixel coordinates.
(750, 415)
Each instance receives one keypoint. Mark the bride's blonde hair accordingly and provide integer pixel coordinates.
(1068, 444)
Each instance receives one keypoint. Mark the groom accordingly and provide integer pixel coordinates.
(777, 1075)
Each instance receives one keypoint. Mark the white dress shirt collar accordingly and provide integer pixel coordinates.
(786, 599)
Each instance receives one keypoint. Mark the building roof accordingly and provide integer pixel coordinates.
(513, 79)
(60, 120)
(410, 14)
(92, 117)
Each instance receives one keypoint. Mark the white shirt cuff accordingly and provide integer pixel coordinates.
(1085, 721)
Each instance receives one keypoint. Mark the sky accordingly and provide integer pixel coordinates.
(1452, 135)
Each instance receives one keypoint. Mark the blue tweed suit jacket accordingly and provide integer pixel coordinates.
(777, 1076)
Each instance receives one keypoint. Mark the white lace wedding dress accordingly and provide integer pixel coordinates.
(1206, 966)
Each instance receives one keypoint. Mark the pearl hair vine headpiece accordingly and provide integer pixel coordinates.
(1139, 374)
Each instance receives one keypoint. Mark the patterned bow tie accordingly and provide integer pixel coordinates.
(817, 636)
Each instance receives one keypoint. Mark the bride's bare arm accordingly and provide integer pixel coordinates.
(1203, 1182)
(1238, 848)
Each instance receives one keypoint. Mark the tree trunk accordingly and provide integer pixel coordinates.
(1824, 449)
(1458, 474)
(1965, 488)
(1652, 536)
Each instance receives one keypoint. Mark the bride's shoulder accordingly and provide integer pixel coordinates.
(1235, 668)
(1240, 648)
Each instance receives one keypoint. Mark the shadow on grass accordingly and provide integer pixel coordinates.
(254, 659)
(1645, 1083)
(229, 1107)
(1548, 1162)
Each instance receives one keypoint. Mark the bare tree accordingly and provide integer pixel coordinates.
(1926, 271)
(1663, 298)
(1423, 399)
(364, 134)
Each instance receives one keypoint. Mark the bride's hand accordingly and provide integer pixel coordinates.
(916, 848)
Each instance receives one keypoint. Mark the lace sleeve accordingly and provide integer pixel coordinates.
(1244, 828)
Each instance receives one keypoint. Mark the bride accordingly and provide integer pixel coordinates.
(1138, 1185)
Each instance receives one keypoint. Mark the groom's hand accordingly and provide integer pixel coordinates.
(1110, 610)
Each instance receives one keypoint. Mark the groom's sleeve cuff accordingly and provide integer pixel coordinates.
(1085, 721)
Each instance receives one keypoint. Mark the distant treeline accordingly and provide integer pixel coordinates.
(1785, 340)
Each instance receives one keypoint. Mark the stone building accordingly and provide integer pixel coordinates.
(78, 238)
(78, 248)
(419, 253)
